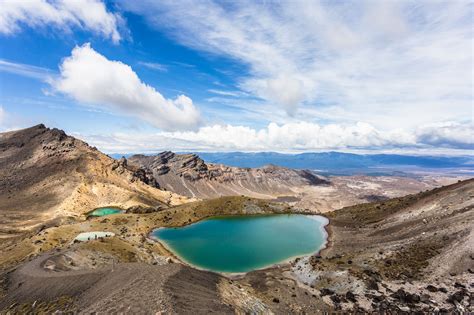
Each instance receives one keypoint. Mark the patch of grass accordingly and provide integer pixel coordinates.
(229, 205)
(114, 246)
(409, 262)
(62, 305)
(369, 213)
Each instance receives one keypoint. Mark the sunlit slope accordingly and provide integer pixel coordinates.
(46, 174)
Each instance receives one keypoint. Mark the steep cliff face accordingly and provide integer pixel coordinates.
(189, 175)
(46, 174)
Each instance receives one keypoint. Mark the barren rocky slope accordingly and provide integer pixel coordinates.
(189, 175)
(406, 254)
(46, 175)
(403, 254)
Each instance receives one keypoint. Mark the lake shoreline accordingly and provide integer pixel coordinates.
(323, 227)
(113, 208)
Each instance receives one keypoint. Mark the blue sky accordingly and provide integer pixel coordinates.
(289, 76)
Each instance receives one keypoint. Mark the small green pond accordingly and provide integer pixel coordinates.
(243, 243)
(100, 212)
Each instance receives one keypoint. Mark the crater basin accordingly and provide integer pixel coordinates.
(237, 244)
(100, 212)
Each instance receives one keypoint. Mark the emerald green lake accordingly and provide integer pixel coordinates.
(244, 243)
(100, 212)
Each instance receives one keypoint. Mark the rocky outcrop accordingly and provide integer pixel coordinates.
(144, 175)
(189, 175)
(189, 166)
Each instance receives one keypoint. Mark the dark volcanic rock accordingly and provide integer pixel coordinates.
(459, 285)
(372, 284)
(145, 176)
(457, 297)
(325, 292)
(142, 210)
(351, 296)
(373, 274)
(406, 297)
(336, 299)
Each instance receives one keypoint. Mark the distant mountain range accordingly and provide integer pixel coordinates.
(343, 163)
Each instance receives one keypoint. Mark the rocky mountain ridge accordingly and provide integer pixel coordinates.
(189, 175)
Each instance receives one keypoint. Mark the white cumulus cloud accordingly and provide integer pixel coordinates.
(91, 78)
(284, 138)
(91, 15)
(295, 137)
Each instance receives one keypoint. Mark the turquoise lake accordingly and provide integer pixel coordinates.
(100, 212)
(243, 243)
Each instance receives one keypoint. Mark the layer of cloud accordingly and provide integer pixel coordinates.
(228, 93)
(90, 15)
(154, 66)
(291, 137)
(30, 71)
(376, 60)
(91, 78)
(448, 134)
